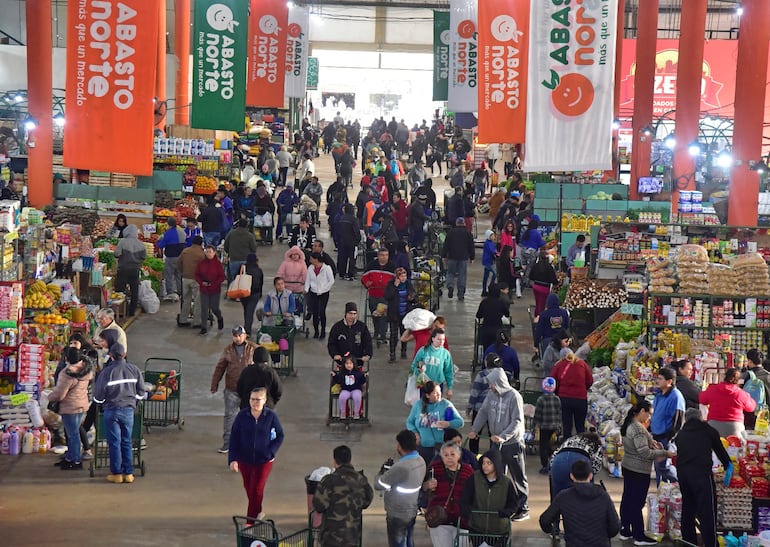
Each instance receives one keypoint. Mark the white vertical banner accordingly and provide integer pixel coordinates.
(570, 91)
(463, 56)
(297, 47)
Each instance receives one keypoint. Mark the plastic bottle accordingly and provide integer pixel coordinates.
(36, 441)
(45, 440)
(26, 442)
(13, 443)
(5, 440)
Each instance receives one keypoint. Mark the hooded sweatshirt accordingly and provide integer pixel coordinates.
(552, 320)
(423, 416)
(503, 410)
(489, 504)
(293, 269)
(589, 516)
(438, 364)
(130, 252)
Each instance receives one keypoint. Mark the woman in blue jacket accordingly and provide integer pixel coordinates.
(255, 438)
(429, 417)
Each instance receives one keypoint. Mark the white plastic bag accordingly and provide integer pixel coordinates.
(412, 393)
(147, 298)
(418, 319)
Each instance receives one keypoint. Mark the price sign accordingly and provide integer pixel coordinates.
(631, 309)
(19, 399)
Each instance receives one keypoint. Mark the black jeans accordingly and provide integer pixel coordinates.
(396, 330)
(316, 305)
(249, 307)
(85, 425)
(282, 173)
(545, 446)
(573, 410)
(346, 260)
(635, 486)
(130, 278)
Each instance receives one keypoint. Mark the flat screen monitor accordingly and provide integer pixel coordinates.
(650, 185)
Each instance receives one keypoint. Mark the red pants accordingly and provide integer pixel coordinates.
(254, 480)
(541, 294)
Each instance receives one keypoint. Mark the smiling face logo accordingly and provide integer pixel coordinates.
(504, 28)
(294, 30)
(220, 17)
(466, 28)
(574, 95)
(268, 24)
(444, 37)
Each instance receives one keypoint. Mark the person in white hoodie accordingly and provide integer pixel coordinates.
(503, 412)
(318, 283)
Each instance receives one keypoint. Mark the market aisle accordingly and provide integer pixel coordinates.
(189, 495)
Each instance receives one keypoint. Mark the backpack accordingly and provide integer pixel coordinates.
(756, 389)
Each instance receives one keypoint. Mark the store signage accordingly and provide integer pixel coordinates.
(503, 51)
(631, 309)
(297, 45)
(717, 84)
(440, 55)
(312, 73)
(570, 93)
(219, 61)
(267, 53)
(462, 85)
(111, 60)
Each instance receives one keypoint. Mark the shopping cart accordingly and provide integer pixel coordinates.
(465, 538)
(163, 404)
(300, 323)
(479, 349)
(531, 390)
(347, 418)
(101, 450)
(283, 359)
(250, 532)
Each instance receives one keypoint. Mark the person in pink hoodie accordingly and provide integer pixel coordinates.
(294, 270)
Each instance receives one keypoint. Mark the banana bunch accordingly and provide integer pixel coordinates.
(54, 291)
(37, 287)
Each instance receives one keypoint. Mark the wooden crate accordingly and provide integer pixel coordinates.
(99, 178)
(123, 180)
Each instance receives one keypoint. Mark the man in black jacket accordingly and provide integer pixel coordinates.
(318, 247)
(459, 248)
(350, 336)
(589, 515)
(349, 235)
(260, 373)
(417, 217)
(695, 442)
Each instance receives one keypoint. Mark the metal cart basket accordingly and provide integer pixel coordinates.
(162, 407)
(467, 537)
(283, 360)
(101, 450)
(258, 533)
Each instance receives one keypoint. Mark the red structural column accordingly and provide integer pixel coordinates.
(644, 85)
(689, 75)
(182, 50)
(619, 35)
(40, 100)
(160, 75)
(750, 89)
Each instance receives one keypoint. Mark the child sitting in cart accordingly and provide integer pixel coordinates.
(351, 381)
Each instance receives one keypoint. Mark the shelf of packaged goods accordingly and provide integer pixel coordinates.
(8, 373)
(709, 328)
(620, 263)
(675, 327)
(707, 296)
(9, 347)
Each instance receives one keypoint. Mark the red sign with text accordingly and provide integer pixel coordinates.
(267, 53)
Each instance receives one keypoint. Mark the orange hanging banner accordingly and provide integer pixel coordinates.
(503, 27)
(267, 53)
(111, 62)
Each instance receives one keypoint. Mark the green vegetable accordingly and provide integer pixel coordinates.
(563, 294)
(108, 259)
(154, 264)
(600, 357)
(624, 330)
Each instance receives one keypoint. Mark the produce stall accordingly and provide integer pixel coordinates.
(590, 302)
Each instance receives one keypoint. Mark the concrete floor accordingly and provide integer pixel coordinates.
(189, 495)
